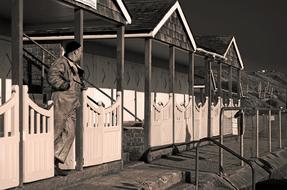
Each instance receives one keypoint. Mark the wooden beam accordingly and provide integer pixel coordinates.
(230, 82)
(120, 71)
(147, 102)
(79, 24)
(171, 86)
(239, 83)
(191, 73)
(219, 79)
(208, 92)
(120, 57)
(17, 71)
(191, 87)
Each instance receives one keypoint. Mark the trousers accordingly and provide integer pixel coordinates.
(64, 135)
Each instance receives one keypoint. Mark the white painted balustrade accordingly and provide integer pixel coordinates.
(161, 124)
(9, 141)
(102, 132)
(38, 135)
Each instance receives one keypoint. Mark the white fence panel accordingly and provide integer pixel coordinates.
(215, 111)
(204, 120)
(161, 124)
(190, 131)
(9, 142)
(112, 131)
(102, 135)
(227, 120)
(93, 130)
(38, 138)
(181, 126)
(197, 121)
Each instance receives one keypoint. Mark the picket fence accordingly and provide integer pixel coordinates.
(186, 127)
(38, 147)
(102, 136)
(102, 132)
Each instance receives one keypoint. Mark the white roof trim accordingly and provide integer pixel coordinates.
(87, 37)
(125, 11)
(233, 41)
(198, 86)
(210, 53)
(176, 6)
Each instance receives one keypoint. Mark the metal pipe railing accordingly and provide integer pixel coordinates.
(241, 135)
(226, 149)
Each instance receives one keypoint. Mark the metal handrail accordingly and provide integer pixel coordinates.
(36, 58)
(226, 149)
(88, 82)
(241, 148)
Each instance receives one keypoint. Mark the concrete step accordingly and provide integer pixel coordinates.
(140, 176)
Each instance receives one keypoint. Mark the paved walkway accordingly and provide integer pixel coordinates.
(168, 171)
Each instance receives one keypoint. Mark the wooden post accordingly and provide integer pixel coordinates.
(147, 102)
(17, 71)
(191, 87)
(120, 69)
(219, 79)
(230, 82)
(171, 86)
(136, 106)
(238, 84)
(191, 74)
(208, 93)
(79, 24)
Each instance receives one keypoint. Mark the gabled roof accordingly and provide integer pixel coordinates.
(148, 16)
(216, 44)
(219, 45)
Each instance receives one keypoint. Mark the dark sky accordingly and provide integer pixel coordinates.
(259, 26)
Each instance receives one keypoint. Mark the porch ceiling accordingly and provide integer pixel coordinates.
(159, 50)
(50, 16)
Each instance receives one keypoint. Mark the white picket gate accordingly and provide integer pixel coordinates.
(102, 132)
(161, 124)
(215, 111)
(9, 142)
(192, 131)
(181, 127)
(227, 119)
(204, 120)
(38, 137)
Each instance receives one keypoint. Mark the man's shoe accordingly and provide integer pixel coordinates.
(60, 172)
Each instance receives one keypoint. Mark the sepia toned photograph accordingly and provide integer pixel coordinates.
(143, 95)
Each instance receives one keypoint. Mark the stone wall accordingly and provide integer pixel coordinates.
(133, 142)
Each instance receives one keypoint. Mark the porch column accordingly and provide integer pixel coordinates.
(208, 93)
(191, 74)
(230, 82)
(219, 79)
(147, 93)
(191, 87)
(239, 84)
(17, 70)
(78, 32)
(120, 69)
(171, 86)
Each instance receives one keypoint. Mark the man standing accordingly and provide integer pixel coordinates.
(65, 78)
